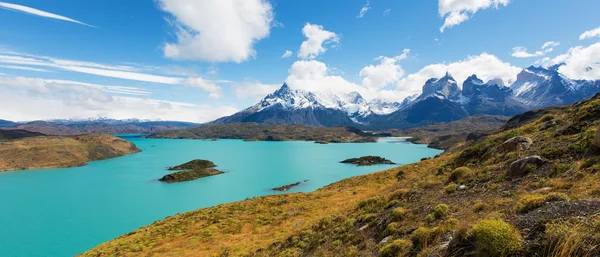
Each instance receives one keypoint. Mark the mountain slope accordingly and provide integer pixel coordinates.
(479, 201)
(101, 126)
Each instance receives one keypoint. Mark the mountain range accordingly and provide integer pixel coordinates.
(442, 100)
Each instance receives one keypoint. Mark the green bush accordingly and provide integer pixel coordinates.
(460, 174)
(532, 202)
(424, 237)
(450, 188)
(496, 238)
(399, 213)
(396, 248)
(440, 210)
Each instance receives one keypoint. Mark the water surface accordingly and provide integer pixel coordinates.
(63, 212)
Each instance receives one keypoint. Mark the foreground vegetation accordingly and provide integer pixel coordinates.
(530, 189)
(271, 132)
(32, 151)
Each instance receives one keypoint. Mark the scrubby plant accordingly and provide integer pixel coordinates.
(372, 205)
(460, 174)
(440, 210)
(399, 213)
(396, 248)
(534, 201)
(496, 238)
(450, 188)
(424, 237)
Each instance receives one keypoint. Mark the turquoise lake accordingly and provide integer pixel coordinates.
(63, 212)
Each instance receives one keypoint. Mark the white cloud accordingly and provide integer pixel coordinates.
(205, 85)
(457, 11)
(590, 34)
(315, 76)
(317, 37)
(386, 12)
(364, 9)
(579, 62)
(253, 90)
(287, 54)
(16, 67)
(485, 66)
(33, 11)
(112, 71)
(24, 99)
(387, 72)
(217, 31)
(521, 52)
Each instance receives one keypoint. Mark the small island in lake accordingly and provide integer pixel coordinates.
(190, 171)
(287, 187)
(368, 161)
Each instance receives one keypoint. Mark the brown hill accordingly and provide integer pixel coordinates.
(59, 152)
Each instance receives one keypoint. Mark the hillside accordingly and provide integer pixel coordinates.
(7, 134)
(446, 135)
(270, 132)
(528, 190)
(58, 152)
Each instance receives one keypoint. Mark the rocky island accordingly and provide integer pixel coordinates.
(21, 150)
(368, 161)
(191, 171)
(288, 187)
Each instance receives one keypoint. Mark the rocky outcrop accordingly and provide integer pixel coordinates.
(517, 143)
(525, 166)
(368, 161)
(288, 187)
(191, 170)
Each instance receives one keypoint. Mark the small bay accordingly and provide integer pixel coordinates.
(63, 212)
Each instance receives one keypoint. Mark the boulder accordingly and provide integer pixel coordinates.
(517, 143)
(597, 139)
(524, 166)
(547, 125)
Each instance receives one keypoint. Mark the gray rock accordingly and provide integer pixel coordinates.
(461, 188)
(521, 167)
(547, 125)
(597, 139)
(517, 143)
(385, 240)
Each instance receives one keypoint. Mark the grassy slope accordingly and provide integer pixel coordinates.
(270, 132)
(379, 214)
(57, 152)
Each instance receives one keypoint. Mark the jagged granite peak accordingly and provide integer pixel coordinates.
(443, 88)
(474, 87)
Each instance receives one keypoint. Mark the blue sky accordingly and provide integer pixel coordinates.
(219, 62)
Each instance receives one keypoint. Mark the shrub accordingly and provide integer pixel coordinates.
(450, 188)
(460, 174)
(440, 210)
(532, 202)
(424, 237)
(399, 213)
(372, 205)
(396, 248)
(496, 238)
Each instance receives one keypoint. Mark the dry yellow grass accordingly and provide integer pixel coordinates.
(58, 151)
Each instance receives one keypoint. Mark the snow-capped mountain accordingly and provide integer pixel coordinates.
(539, 87)
(442, 100)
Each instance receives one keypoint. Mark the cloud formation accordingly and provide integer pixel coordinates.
(456, 12)
(316, 40)
(386, 72)
(364, 9)
(590, 34)
(579, 62)
(253, 90)
(25, 99)
(217, 31)
(33, 11)
(521, 52)
(287, 54)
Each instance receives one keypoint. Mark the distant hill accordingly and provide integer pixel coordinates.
(8, 134)
(60, 151)
(7, 124)
(99, 126)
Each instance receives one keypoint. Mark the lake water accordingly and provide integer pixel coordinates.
(63, 212)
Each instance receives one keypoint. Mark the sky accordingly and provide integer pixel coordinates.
(198, 60)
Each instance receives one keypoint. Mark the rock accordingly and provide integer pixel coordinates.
(363, 227)
(547, 125)
(558, 210)
(517, 143)
(368, 161)
(385, 240)
(524, 166)
(286, 187)
(597, 139)
(461, 188)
